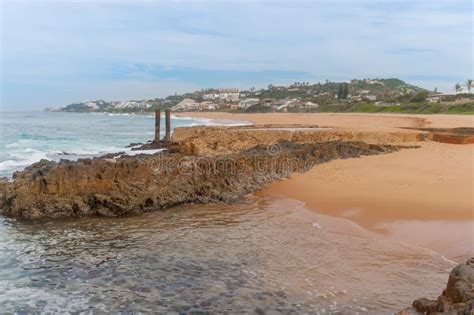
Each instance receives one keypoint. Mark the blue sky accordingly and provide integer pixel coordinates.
(57, 52)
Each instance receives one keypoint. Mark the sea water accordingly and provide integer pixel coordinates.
(262, 255)
(28, 137)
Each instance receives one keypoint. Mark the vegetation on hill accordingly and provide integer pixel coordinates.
(367, 95)
(408, 108)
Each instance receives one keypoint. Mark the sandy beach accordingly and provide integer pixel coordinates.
(421, 196)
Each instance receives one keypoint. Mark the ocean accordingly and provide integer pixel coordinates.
(264, 254)
(28, 137)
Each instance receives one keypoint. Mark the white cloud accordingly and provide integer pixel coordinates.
(54, 42)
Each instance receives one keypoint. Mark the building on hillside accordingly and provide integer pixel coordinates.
(186, 105)
(267, 101)
(211, 96)
(284, 103)
(229, 95)
(208, 106)
(371, 98)
(373, 82)
(433, 99)
(225, 105)
(308, 105)
(248, 102)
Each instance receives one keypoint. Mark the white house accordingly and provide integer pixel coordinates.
(309, 105)
(248, 102)
(186, 105)
(370, 97)
(230, 95)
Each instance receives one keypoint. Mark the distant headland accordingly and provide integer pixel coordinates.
(365, 95)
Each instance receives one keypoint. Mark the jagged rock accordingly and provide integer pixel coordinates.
(409, 311)
(461, 279)
(425, 305)
(133, 184)
(457, 298)
(134, 144)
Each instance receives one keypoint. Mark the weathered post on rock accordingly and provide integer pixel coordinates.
(168, 125)
(157, 125)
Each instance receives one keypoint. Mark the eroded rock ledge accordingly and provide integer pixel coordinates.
(126, 185)
(456, 299)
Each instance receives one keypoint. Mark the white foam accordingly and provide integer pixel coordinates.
(16, 154)
(316, 225)
(137, 152)
(26, 157)
(213, 122)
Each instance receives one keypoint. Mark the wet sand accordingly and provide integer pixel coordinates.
(419, 196)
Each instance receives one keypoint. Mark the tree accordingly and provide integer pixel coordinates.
(345, 90)
(469, 85)
(340, 92)
(436, 90)
(420, 96)
(386, 94)
(458, 87)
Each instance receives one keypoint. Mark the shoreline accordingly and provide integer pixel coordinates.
(429, 189)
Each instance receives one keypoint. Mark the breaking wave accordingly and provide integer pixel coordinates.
(27, 139)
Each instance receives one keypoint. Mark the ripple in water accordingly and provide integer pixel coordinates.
(264, 255)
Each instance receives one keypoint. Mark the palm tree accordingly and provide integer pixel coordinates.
(469, 85)
(458, 87)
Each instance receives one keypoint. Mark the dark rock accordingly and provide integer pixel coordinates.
(444, 303)
(457, 298)
(461, 278)
(111, 155)
(425, 305)
(134, 144)
(133, 184)
(409, 311)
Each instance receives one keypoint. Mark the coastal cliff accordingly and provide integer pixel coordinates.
(124, 185)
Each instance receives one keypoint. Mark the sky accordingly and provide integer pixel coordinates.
(57, 52)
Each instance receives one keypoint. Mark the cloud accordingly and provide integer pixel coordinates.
(409, 51)
(149, 72)
(74, 45)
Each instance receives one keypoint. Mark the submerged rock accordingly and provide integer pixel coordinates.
(133, 184)
(457, 298)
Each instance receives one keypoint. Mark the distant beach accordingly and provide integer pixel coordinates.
(429, 189)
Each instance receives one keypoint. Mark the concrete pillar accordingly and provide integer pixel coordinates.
(157, 125)
(168, 125)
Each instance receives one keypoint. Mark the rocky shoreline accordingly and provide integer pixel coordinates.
(118, 186)
(456, 299)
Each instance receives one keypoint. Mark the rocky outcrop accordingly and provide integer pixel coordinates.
(215, 140)
(130, 184)
(457, 298)
(461, 135)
